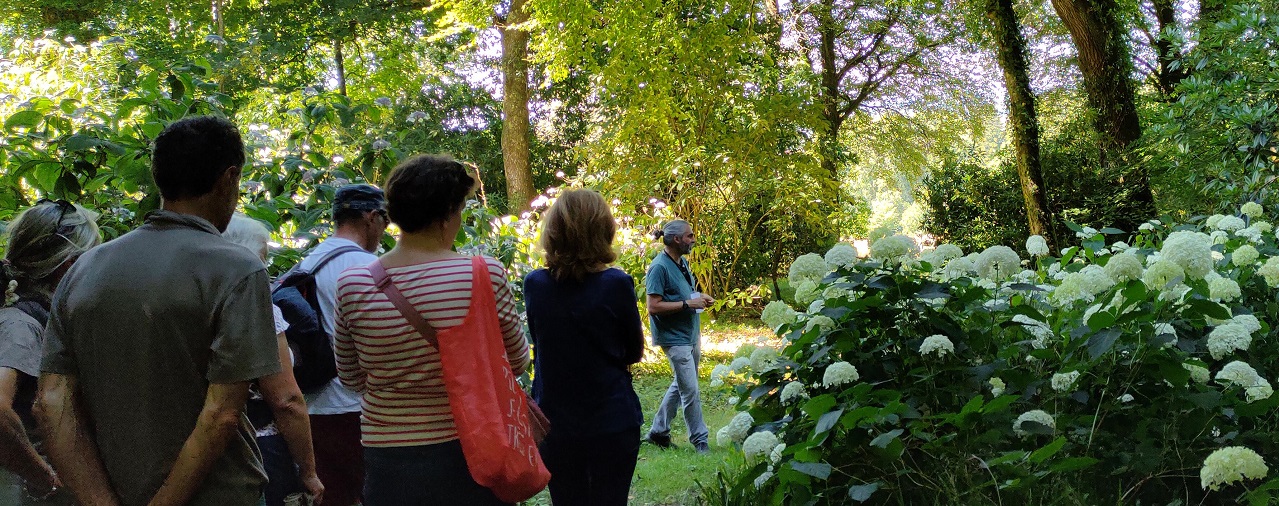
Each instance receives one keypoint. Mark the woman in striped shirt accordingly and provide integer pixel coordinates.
(412, 454)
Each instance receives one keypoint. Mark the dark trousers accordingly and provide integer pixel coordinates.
(282, 474)
(426, 475)
(591, 470)
(339, 457)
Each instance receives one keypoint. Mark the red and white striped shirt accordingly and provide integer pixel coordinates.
(382, 356)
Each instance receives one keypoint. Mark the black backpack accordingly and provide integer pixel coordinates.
(294, 292)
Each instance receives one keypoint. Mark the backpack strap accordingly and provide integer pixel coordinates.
(33, 309)
(332, 255)
(410, 313)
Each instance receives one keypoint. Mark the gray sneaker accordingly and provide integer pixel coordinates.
(702, 448)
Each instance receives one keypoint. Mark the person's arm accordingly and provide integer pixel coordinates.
(71, 448)
(509, 316)
(281, 392)
(218, 422)
(632, 336)
(353, 377)
(657, 306)
(16, 452)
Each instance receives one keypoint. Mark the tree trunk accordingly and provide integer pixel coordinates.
(828, 141)
(1107, 69)
(1011, 53)
(340, 63)
(1167, 77)
(515, 122)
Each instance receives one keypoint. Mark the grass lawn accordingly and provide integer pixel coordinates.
(669, 477)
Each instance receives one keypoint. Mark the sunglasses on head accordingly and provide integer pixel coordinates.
(64, 207)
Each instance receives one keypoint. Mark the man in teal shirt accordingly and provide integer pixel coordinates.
(673, 306)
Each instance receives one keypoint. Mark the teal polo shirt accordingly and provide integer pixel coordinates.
(666, 279)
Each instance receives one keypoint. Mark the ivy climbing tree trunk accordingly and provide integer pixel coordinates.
(1010, 51)
(339, 61)
(515, 122)
(1104, 61)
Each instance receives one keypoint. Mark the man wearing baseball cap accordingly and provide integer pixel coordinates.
(359, 221)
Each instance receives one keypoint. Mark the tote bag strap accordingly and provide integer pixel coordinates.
(410, 313)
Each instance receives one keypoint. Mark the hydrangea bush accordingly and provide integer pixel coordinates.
(1118, 371)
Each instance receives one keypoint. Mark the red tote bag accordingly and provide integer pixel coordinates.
(490, 410)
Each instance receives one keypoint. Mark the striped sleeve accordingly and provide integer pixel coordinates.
(349, 371)
(508, 314)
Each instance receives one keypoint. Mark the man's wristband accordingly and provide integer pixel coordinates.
(684, 305)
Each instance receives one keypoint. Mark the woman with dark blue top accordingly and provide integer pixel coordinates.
(584, 321)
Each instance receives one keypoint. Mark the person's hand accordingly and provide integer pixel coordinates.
(709, 300)
(44, 489)
(699, 302)
(313, 487)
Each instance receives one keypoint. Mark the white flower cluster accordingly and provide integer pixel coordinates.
(1244, 255)
(1252, 210)
(1161, 273)
(1124, 266)
(1241, 374)
(834, 292)
(1231, 464)
(1198, 373)
(1043, 334)
(839, 373)
(893, 248)
(740, 364)
(763, 359)
(778, 313)
(821, 321)
(957, 268)
(1082, 286)
(806, 292)
(758, 445)
(793, 392)
(841, 255)
(1225, 339)
(1063, 382)
(1230, 224)
(775, 456)
(1086, 233)
(808, 267)
(938, 344)
(997, 263)
(1270, 271)
(1192, 251)
(762, 479)
(1035, 415)
(1222, 289)
(718, 373)
(997, 387)
(941, 254)
(1036, 245)
(735, 431)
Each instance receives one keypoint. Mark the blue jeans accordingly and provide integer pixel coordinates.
(425, 475)
(282, 474)
(683, 393)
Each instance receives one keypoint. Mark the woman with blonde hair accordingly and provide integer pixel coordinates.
(43, 243)
(584, 321)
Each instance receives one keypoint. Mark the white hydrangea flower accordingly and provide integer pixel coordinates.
(1190, 250)
(778, 313)
(1213, 220)
(1086, 233)
(1126, 398)
(839, 373)
(820, 321)
(806, 292)
(775, 456)
(1218, 237)
(957, 268)
(1230, 223)
(1231, 464)
(940, 255)
(1035, 415)
(1120, 246)
(1241, 374)
(1270, 271)
(718, 373)
(793, 392)
(1252, 209)
(763, 359)
(816, 306)
(1160, 273)
(997, 263)
(740, 364)
(762, 479)
(1244, 255)
(808, 267)
(1036, 245)
(997, 387)
(1042, 332)
(1198, 373)
(834, 292)
(735, 431)
(1251, 233)
(1146, 227)
(1063, 382)
(1223, 289)
(1262, 226)
(1082, 286)
(1227, 338)
(1124, 266)
(841, 255)
(1249, 322)
(758, 445)
(938, 344)
(1163, 328)
(893, 248)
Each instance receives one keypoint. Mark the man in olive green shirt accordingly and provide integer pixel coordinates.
(153, 339)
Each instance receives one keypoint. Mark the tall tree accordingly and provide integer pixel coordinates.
(515, 122)
(1104, 61)
(1011, 53)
